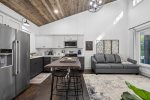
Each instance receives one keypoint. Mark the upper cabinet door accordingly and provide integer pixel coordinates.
(71, 38)
(58, 41)
(43, 42)
(13, 23)
(2, 18)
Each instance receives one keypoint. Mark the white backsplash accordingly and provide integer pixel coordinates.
(44, 51)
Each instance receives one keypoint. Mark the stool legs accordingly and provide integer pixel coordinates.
(77, 84)
(51, 96)
(68, 86)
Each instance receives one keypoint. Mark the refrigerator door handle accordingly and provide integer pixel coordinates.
(18, 57)
(15, 56)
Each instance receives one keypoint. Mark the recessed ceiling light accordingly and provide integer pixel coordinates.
(56, 11)
(91, 3)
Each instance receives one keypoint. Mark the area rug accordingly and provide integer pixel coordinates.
(111, 86)
(40, 78)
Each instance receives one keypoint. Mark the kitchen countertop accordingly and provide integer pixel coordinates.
(33, 57)
(53, 56)
(59, 56)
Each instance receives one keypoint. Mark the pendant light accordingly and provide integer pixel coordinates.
(95, 5)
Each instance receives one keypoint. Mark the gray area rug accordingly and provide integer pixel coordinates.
(111, 86)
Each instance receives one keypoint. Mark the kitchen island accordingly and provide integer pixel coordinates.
(37, 63)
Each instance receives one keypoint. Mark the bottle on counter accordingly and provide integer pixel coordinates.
(79, 52)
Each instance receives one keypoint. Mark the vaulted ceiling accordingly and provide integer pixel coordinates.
(41, 12)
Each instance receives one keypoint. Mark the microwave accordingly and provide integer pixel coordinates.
(70, 44)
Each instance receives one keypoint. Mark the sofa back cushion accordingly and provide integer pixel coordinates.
(117, 58)
(110, 58)
(99, 58)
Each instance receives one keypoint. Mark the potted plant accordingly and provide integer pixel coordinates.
(140, 93)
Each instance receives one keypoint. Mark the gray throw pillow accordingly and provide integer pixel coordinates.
(99, 58)
(110, 58)
(117, 58)
(132, 61)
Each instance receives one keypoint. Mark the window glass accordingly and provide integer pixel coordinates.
(145, 46)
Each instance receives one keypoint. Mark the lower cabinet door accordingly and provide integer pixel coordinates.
(36, 67)
(32, 69)
(47, 60)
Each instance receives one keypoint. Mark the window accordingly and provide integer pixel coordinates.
(135, 2)
(145, 46)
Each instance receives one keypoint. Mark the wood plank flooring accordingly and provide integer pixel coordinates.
(42, 91)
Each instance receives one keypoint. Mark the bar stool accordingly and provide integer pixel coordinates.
(75, 83)
(61, 78)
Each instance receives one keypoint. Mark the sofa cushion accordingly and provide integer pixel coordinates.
(110, 58)
(130, 66)
(117, 58)
(116, 66)
(103, 66)
(99, 58)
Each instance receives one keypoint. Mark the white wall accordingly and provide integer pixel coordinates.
(138, 15)
(33, 29)
(95, 26)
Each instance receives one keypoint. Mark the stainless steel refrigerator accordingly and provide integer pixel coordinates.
(14, 62)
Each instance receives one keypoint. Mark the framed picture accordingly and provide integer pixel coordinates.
(89, 45)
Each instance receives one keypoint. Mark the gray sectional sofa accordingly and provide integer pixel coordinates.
(111, 63)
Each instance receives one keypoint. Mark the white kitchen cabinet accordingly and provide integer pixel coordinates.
(58, 42)
(2, 20)
(71, 38)
(43, 42)
(80, 41)
(32, 43)
(13, 23)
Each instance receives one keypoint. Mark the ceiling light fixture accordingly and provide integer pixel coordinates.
(95, 5)
(25, 22)
(56, 11)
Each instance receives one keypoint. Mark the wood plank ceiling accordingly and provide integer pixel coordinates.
(41, 12)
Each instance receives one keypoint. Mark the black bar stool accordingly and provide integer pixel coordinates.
(75, 83)
(61, 77)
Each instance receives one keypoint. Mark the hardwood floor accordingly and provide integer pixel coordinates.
(42, 91)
